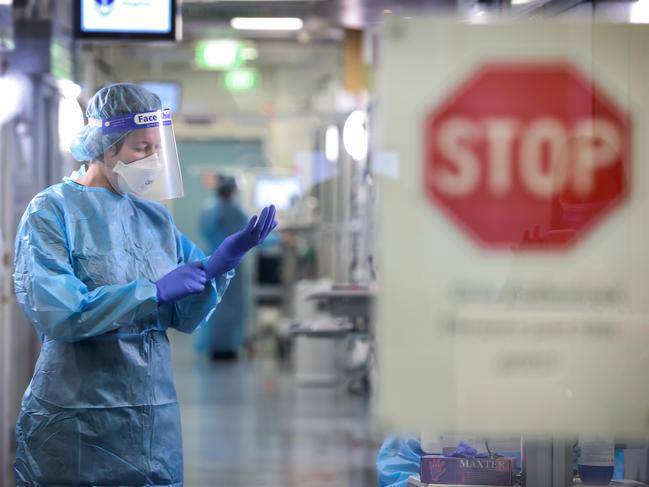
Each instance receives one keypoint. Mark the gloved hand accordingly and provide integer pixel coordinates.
(235, 246)
(181, 282)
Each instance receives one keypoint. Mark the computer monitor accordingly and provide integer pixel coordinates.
(123, 19)
(6, 28)
(168, 91)
(276, 190)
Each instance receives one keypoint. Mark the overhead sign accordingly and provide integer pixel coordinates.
(527, 148)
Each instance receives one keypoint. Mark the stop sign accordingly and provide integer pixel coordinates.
(527, 154)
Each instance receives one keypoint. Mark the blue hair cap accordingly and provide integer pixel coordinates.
(109, 102)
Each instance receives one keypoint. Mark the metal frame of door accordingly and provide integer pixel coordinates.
(29, 161)
(6, 251)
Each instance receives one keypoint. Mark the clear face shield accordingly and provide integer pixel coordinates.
(148, 163)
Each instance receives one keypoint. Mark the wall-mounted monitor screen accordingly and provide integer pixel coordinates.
(126, 19)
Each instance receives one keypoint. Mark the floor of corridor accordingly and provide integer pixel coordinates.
(247, 424)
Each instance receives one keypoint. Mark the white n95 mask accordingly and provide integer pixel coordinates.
(137, 176)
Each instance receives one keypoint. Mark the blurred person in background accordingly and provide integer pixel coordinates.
(224, 334)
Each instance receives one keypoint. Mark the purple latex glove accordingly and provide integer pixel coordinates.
(463, 450)
(228, 255)
(181, 282)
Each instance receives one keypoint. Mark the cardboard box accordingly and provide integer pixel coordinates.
(437, 469)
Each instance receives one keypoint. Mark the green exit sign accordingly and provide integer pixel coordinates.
(241, 79)
(219, 54)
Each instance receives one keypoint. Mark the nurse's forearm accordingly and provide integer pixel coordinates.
(77, 315)
(193, 311)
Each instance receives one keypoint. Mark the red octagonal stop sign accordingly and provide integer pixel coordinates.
(530, 155)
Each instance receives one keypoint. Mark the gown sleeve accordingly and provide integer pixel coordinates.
(60, 305)
(398, 459)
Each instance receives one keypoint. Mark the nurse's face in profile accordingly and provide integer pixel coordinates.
(137, 145)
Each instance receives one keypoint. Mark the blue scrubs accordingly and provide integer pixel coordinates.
(101, 408)
(225, 331)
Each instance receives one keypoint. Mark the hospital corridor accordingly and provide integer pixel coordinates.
(268, 432)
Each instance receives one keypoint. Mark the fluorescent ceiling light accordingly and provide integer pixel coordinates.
(355, 135)
(332, 143)
(266, 23)
(521, 2)
(6, 2)
(248, 1)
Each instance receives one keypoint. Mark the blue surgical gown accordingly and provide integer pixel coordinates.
(101, 408)
(225, 331)
(398, 459)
